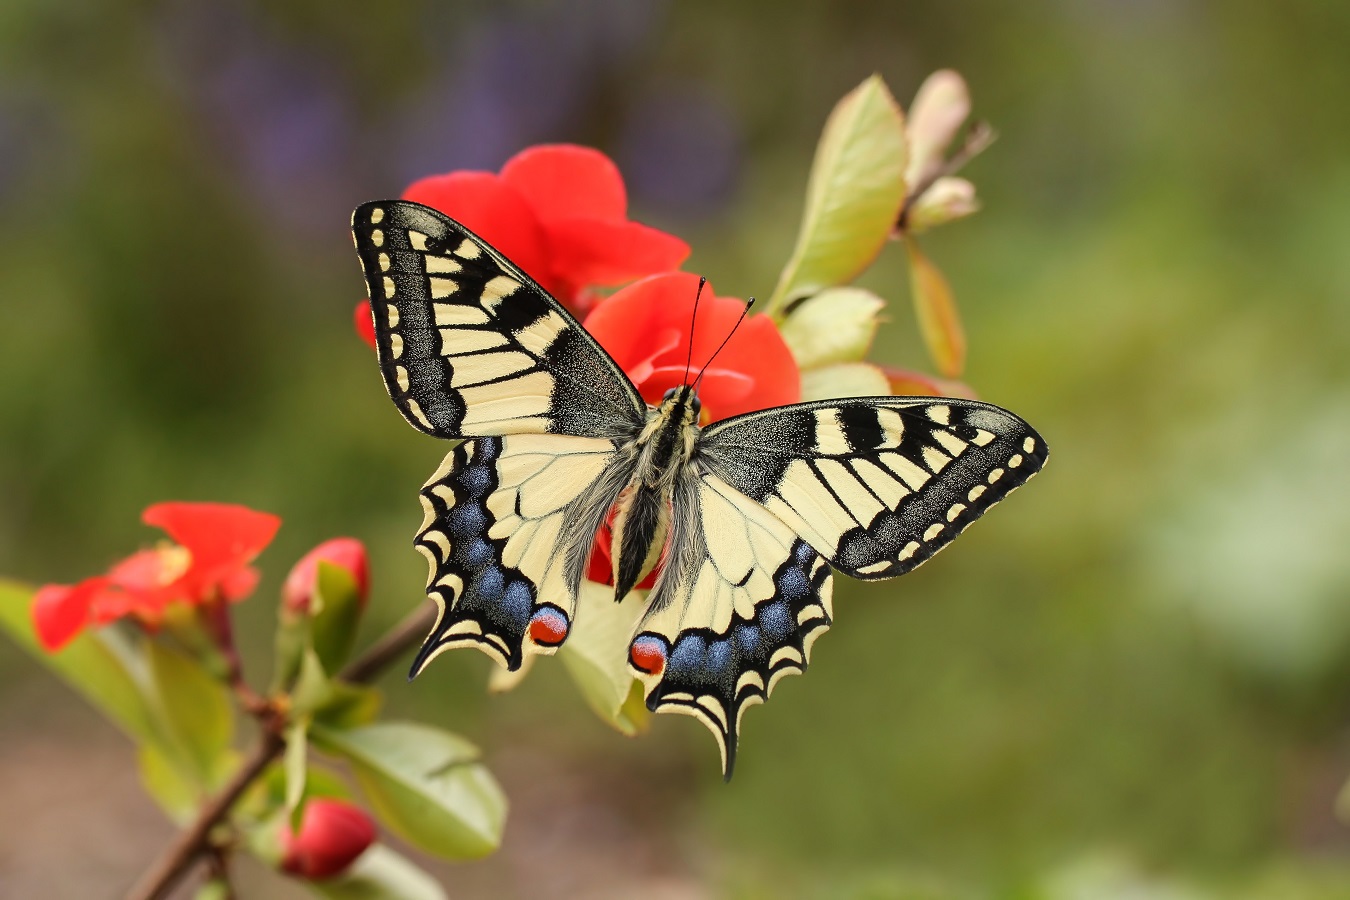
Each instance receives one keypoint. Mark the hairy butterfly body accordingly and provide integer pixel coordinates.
(751, 515)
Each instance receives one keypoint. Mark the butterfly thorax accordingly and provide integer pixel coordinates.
(641, 523)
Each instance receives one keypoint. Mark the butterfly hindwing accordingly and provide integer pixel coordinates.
(508, 523)
(738, 606)
(876, 485)
(470, 345)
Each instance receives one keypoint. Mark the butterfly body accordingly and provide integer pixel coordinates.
(747, 518)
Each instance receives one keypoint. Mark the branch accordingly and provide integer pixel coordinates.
(160, 878)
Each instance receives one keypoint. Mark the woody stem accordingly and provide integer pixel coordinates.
(195, 840)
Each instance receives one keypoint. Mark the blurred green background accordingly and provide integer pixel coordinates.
(1130, 681)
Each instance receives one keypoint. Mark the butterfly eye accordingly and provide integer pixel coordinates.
(670, 393)
(695, 405)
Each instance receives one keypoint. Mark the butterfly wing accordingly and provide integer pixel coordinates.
(737, 606)
(509, 522)
(876, 485)
(470, 345)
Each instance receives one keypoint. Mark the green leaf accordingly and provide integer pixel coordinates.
(197, 709)
(104, 666)
(939, 322)
(215, 889)
(164, 781)
(313, 688)
(334, 703)
(426, 784)
(381, 874)
(836, 325)
(854, 195)
(294, 765)
(350, 706)
(596, 655)
(335, 615)
(844, 380)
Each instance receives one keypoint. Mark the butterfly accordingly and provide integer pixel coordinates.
(748, 517)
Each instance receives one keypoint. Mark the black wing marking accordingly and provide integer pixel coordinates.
(470, 345)
(877, 485)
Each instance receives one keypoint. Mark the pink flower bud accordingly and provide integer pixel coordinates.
(349, 553)
(332, 835)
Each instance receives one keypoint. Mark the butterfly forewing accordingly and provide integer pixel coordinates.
(876, 485)
(470, 345)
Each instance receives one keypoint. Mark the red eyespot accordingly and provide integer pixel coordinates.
(549, 627)
(648, 654)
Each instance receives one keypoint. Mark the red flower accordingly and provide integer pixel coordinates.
(645, 327)
(333, 833)
(559, 211)
(349, 553)
(215, 542)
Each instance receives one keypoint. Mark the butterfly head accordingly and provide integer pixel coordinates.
(682, 403)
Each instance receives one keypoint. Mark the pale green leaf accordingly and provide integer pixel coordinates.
(501, 679)
(935, 307)
(854, 195)
(105, 667)
(596, 655)
(844, 380)
(293, 763)
(335, 614)
(197, 709)
(164, 781)
(215, 889)
(381, 874)
(349, 705)
(313, 688)
(426, 784)
(836, 325)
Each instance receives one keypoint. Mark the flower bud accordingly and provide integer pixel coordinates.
(333, 833)
(348, 553)
(945, 201)
(939, 108)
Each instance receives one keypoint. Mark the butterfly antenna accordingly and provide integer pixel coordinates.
(693, 318)
(724, 342)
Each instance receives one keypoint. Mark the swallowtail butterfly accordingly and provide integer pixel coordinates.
(749, 515)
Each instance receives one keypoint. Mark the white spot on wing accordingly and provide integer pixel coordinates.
(442, 265)
(377, 215)
(458, 314)
(933, 531)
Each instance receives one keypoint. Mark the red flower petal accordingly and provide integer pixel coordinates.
(365, 323)
(563, 180)
(60, 611)
(593, 251)
(222, 538)
(493, 210)
(333, 833)
(755, 370)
